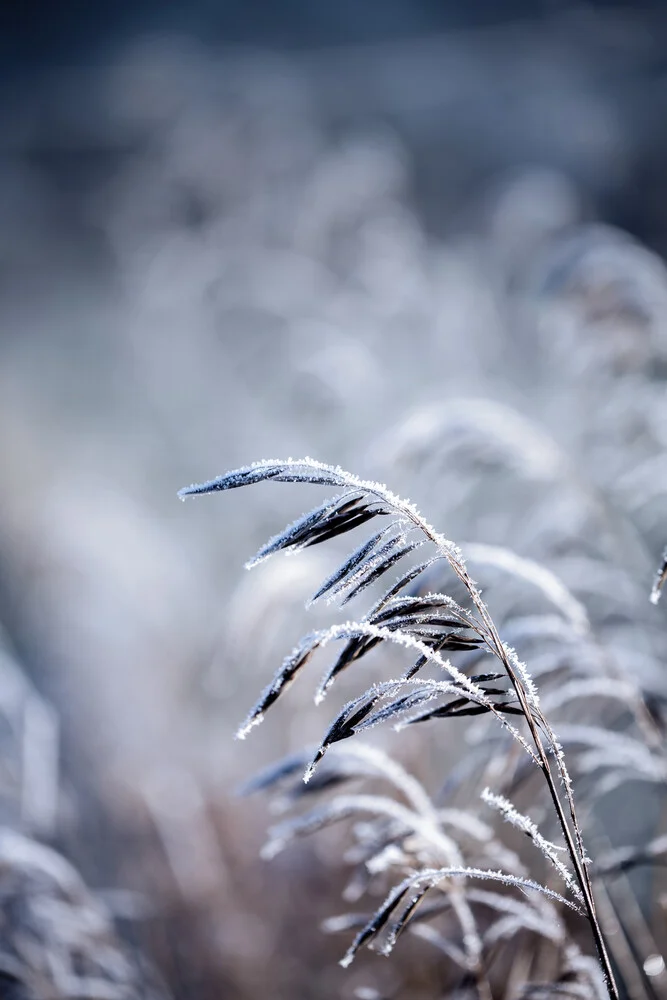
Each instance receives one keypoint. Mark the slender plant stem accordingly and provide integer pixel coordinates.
(483, 623)
(574, 842)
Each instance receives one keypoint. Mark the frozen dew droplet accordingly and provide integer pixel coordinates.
(654, 965)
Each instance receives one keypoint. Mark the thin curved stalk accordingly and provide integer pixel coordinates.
(573, 840)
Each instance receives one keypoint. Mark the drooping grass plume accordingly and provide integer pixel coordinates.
(428, 625)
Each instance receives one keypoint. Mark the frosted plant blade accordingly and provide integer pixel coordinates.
(335, 517)
(355, 716)
(376, 923)
(297, 534)
(431, 878)
(400, 923)
(283, 471)
(404, 581)
(528, 827)
(338, 524)
(459, 708)
(394, 550)
(354, 649)
(407, 703)
(427, 608)
(348, 718)
(348, 567)
(420, 662)
(289, 669)
(233, 480)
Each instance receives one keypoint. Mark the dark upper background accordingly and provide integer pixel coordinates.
(39, 37)
(38, 33)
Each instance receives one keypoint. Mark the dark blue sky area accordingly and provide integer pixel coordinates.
(41, 34)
